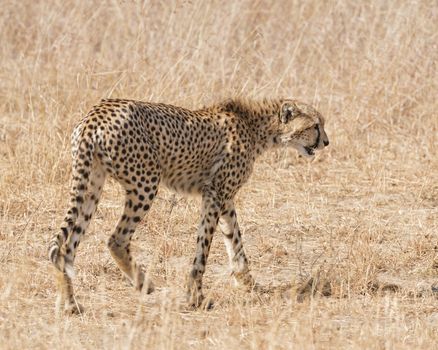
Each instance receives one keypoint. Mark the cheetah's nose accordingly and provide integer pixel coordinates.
(326, 143)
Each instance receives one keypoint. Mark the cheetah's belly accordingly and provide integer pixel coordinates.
(186, 180)
(192, 176)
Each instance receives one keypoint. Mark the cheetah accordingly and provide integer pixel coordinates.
(209, 152)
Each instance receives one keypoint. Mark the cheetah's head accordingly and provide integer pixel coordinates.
(302, 127)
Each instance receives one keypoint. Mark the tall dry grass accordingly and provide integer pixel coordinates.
(358, 224)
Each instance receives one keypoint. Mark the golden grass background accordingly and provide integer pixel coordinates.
(362, 218)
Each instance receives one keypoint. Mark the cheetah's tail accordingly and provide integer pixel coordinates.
(83, 147)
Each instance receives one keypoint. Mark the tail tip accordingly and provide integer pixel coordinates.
(69, 270)
(53, 254)
(55, 258)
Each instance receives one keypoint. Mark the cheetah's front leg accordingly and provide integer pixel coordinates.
(234, 245)
(209, 219)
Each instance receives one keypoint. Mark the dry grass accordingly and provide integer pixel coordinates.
(359, 224)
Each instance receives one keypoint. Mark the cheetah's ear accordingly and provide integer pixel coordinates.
(288, 112)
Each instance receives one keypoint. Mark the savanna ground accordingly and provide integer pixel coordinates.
(346, 247)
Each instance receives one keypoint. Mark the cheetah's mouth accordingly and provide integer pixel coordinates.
(306, 151)
(310, 151)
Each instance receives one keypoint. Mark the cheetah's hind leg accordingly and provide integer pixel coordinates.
(139, 198)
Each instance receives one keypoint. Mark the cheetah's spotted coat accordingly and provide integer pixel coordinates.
(210, 151)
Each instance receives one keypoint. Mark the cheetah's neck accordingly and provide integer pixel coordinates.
(262, 118)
